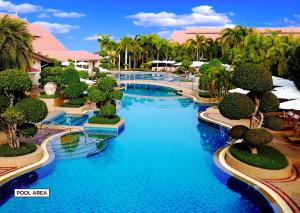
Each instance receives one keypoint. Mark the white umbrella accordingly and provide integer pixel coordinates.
(286, 92)
(239, 90)
(281, 82)
(198, 63)
(168, 62)
(156, 62)
(65, 63)
(293, 104)
(177, 64)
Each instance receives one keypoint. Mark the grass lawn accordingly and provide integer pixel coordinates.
(103, 120)
(24, 149)
(267, 157)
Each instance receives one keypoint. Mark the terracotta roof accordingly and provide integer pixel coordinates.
(63, 55)
(13, 16)
(214, 32)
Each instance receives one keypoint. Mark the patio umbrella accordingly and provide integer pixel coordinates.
(65, 63)
(82, 63)
(239, 90)
(281, 82)
(289, 92)
(293, 104)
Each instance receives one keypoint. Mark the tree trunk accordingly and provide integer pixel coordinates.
(12, 137)
(126, 53)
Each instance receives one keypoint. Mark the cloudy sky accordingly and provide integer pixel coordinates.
(75, 22)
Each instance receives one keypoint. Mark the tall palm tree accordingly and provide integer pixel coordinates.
(15, 43)
(233, 37)
(104, 41)
(124, 45)
(136, 50)
(198, 42)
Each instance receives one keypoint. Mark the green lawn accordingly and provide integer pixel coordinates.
(24, 149)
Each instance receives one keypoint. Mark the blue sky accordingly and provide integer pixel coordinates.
(75, 23)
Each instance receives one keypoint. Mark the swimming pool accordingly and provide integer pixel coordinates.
(162, 162)
(65, 119)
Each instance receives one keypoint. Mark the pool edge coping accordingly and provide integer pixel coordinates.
(267, 191)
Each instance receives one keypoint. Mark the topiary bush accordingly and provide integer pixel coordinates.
(108, 111)
(274, 123)
(253, 77)
(13, 81)
(103, 120)
(69, 76)
(34, 110)
(257, 137)
(83, 74)
(95, 95)
(236, 106)
(75, 90)
(268, 102)
(238, 131)
(107, 84)
(27, 129)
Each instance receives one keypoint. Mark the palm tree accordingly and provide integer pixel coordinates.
(104, 41)
(233, 37)
(198, 42)
(136, 50)
(124, 45)
(15, 43)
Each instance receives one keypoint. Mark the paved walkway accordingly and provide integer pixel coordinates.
(289, 187)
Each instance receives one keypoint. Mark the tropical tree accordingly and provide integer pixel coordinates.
(15, 43)
(198, 43)
(124, 45)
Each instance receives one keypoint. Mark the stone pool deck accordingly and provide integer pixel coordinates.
(288, 189)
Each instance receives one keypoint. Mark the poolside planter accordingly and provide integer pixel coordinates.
(114, 129)
(53, 102)
(259, 172)
(24, 160)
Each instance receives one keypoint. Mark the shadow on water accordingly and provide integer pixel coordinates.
(212, 138)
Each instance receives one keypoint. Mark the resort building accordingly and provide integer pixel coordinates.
(47, 48)
(182, 36)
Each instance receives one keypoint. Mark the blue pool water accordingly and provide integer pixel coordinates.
(149, 90)
(70, 120)
(161, 162)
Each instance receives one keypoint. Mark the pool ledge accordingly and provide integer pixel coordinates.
(48, 157)
(278, 201)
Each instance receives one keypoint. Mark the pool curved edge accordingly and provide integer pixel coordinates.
(48, 157)
(273, 197)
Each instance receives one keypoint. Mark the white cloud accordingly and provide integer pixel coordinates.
(286, 22)
(203, 15)
(68, 15)
(56, 27)
(165, 34)
(91, 38)
(9, 7)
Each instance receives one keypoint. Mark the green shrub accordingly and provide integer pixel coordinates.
(267, 157)
(4, 103)
(95, 69)
(107, 84)
(238, 131)
(49, 96)
(236, 106)
(95, 95)
(27, 129)
(103, 120)
(108, 110)
(253, 77)
(103, 53)
(51, 74)
(69, 76)
(268, 102)
(101, 75)
(24, 149)
(116, 94)
(83, 74)
(293, 66)
(75, 90)
(257, 137)
(34, 110)
(78, 101)
(274, 123)
(14, 80)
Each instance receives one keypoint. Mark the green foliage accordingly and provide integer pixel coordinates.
(103, 53)
(238, 131)
(95, 95)
(178, 59)
(49, 96)
(266, 158)
(268, 102)
(69, 76)
(34, 110)
(107, 84)
(14, 80)
(4, 103)
(253, 77)
(24, 149)
(95, 69)
(186, 63)
(83, 74)
(27, 129)
(116, 95)
(257, 137)
(101, 75)
(103, 120)
(274, 123)
(236, 106)
(181, 69)
(51, 74)
(108, 111)
(293, 66)
(12, 115)
(75, 90)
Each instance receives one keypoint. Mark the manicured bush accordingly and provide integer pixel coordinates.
(95, 95)
(24, 149)
(4, 103)
(181, 69)
(116, 94)
(13, 80)
(69, 76)
(27, 129)
(107, 84)
(238, 131)
(78, 101)
(49, 96)
(257, 137)
(83, 74)
(34, 110)
(253, 77)
(274, 123)
(267, 157)
(178, 59)
(293, 66)
(236, 106)
(101, 75)
(108, 110)
(75, 90)
(268, 102)
(103, 120)
(51, 74)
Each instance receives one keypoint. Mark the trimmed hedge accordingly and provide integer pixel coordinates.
(257, 137)
(24, 149)
(274, 123)
(236, 106)
(238, 131)
(83, 74)
(267, 157)
(268, 102)
(252, 77)
(27, 129)
(108, 111)
(103, 120)
(75, 90)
